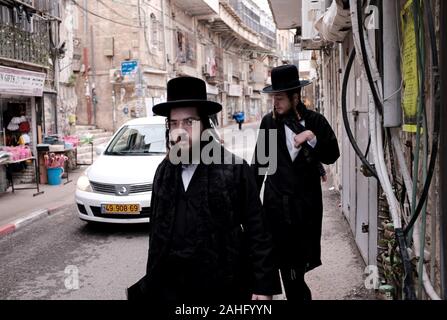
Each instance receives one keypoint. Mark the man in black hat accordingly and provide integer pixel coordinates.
(208, 235)
(292, 194)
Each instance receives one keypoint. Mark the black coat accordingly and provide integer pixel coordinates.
(232, 247)
(293, 195)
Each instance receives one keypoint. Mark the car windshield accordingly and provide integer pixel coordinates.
(138, 140)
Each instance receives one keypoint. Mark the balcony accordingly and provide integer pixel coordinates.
(286, 13)
(235, 31)
(25, 46)
(198, 7)
(47, 7)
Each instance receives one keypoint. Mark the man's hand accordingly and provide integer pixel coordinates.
(303, 137)
(257, 297)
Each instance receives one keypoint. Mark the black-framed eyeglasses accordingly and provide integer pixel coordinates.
(188, 122)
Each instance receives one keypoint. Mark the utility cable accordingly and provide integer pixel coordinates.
(102, 17)
(354, 144)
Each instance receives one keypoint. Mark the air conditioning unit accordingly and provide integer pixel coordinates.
(317, 5)
(248, 91)
(243, 76)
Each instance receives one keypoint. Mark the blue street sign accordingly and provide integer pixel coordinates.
(129, 67)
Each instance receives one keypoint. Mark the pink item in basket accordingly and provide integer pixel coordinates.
(74, 140)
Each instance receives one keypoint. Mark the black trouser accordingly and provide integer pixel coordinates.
(295, 285)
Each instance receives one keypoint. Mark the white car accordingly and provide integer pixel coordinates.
(117, 188)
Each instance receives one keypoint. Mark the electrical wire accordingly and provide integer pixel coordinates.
(112, 10)
(351, 138)
(364, 55)
(375, 106)
(102, 17)
(437, 117)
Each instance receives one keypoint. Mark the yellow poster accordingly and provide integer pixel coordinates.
(409, 69)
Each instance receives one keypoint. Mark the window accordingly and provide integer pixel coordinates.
(5, 15)
(139, 140)
(186, 52)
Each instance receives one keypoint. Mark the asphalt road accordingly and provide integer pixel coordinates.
(61, 257)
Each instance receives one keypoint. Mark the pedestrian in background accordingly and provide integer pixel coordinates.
(293, 196)
(239, 117)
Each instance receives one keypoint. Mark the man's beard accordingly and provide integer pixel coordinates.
(186, 153)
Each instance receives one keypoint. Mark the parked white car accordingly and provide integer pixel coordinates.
(117, 188)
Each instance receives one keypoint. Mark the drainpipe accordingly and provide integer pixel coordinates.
(93, 66)
(443, 148)
(165, 56)
(86, 65)
(392, 112)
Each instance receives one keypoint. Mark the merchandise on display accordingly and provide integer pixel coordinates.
(17, 153)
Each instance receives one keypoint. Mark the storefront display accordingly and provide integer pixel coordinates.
(20, 92)
(18, 153)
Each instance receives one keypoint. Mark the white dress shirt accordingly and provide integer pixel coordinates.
(187, 174)
(290, 141)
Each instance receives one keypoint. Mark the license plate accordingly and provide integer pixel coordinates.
(120, 209)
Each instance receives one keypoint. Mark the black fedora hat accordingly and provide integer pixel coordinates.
(285, 78)
(187, 92)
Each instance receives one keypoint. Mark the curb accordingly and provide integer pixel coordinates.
(29, 219)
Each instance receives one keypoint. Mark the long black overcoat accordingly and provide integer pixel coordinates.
(232, 246)
(293, 195)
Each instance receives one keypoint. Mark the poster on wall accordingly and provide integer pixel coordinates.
(409, 70)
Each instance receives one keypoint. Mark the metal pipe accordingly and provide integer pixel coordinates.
(392, 112)
(165, 56)
(443, 149)
(92, 59)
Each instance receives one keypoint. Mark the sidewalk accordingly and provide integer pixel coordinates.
(341, 275)
(18, 205)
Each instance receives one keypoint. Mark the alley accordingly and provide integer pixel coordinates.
(40, 260)
(350, 92)
(62, 257)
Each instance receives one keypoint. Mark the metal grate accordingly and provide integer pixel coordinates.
(112, 189)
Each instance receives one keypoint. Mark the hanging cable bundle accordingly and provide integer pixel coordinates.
(369, 68)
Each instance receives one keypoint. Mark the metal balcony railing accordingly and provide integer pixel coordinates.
(49, 7)
(26, 46)
(253, 21)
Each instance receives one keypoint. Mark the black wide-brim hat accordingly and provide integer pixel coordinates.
(285, 78)
(186, 92)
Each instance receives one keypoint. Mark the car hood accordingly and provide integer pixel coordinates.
(124, 169)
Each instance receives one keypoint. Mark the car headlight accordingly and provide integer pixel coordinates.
(83, 184)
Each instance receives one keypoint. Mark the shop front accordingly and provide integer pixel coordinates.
(19, 91)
